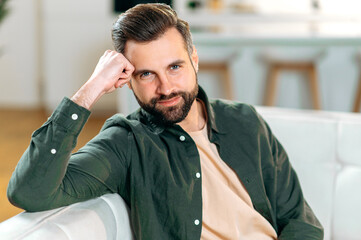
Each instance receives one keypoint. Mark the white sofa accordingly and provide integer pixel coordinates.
(106, 217)
(324, 148)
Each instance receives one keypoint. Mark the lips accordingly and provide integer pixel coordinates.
(170, 102)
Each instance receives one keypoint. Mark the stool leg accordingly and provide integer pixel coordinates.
(226, 80)
(357, 103)
(314, 87)
(228, 83)
(271, 85)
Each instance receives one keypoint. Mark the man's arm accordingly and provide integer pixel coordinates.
(44, 178)
(112, 71)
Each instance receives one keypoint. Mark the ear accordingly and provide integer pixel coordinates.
(195, 58)
(129, 85)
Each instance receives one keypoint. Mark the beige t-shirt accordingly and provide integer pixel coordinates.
(228, 212)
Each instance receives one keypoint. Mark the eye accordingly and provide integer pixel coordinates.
(145, 75)
(175, 67)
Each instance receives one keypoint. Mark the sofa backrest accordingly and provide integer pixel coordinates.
(106, 217)
(325, 150)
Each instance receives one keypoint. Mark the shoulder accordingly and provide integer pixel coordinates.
(115, 137)
(238, 117)
(233, 110)
(116, 130)
(232, 107)
(123, 123)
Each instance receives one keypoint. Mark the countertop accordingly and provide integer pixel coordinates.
(299, 29)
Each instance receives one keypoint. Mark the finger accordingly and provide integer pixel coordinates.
(127, 72)
(124, 75)
(119, 85)
(107, 52)
(121, 82)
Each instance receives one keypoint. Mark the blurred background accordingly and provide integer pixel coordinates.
(288, 53)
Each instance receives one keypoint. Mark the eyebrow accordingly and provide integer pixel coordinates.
(177, 62)
(141, 71)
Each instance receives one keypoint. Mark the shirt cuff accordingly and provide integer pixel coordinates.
(70, 116)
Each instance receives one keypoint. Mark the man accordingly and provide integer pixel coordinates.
(188, 168)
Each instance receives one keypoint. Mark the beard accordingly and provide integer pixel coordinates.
(173, 114)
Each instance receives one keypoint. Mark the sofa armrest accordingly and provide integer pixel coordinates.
(105, 217)
(324, 149)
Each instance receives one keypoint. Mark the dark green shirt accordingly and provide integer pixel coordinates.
(153, 167)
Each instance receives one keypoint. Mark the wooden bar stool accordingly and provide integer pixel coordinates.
(218, 59)
(357, 103)
(300, 64)
(272, 81)
(224, 69)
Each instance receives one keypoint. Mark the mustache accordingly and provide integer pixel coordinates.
(166, 97)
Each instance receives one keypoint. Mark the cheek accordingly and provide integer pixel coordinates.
(142, 91)
(191, 79)
(185, 78)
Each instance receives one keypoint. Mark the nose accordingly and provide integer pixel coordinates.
(165, 86)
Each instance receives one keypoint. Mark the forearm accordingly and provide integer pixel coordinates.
(42, 179)
(112, 71)
(301, 229)
(87, 95)
(296, 219)
(39, 174)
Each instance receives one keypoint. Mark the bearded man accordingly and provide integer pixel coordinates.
(187, 167)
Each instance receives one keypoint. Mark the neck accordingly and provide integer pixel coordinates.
(195, 119)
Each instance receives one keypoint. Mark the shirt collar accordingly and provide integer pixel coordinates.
(157, 127)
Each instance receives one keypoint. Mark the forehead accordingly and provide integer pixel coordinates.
(168, 47)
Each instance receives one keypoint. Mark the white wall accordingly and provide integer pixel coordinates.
(70, 37)
(76, 34)
(18, 56)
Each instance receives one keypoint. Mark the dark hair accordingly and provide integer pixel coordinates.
(148, 22)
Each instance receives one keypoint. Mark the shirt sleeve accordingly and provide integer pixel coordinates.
(49, 176)
(295, 218)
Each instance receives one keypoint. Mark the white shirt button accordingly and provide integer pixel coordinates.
(53, 151)
(196, 222)
(74, 116)
(182, 138)
(198, 175)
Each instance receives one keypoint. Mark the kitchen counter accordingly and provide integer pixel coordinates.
(262, 37)
(211, 28)
(249, 36)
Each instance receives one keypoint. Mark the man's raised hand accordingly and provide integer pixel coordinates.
(112, 71)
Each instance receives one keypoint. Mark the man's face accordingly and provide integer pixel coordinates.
(164, 81)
